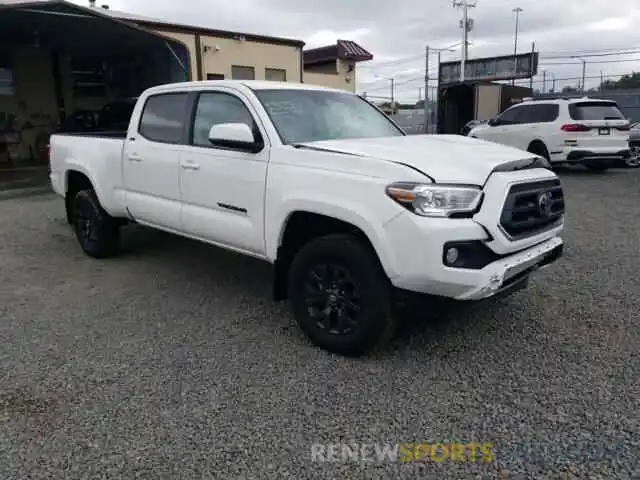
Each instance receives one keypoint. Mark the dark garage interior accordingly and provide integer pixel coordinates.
(57, 58)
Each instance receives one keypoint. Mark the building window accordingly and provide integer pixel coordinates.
(88, 77)
(7, 86)
(239, 72)
(275, 74)
(215, 76)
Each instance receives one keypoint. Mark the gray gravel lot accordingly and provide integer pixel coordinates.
(171, 361)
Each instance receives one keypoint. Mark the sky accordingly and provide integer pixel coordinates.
(397, 32)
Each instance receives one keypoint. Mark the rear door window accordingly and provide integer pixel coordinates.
(546, 112)
(595, 111)
(163, 118)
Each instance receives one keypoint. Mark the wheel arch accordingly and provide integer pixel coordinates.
(303, 225)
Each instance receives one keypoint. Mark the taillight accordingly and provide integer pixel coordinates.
(575, 127)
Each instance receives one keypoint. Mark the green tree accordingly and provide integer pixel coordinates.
(629, 81)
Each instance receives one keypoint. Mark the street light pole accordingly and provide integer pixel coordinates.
(517, 11)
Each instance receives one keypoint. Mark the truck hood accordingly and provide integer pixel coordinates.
(444, 158)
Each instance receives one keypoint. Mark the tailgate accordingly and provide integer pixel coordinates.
(598, 124)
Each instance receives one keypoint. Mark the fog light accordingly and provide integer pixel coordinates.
(451, 255)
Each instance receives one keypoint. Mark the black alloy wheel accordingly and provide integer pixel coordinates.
(333, 298)
(340, 295)
(97, 232)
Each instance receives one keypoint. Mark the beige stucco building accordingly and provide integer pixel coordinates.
(58, 58)
(219, 54)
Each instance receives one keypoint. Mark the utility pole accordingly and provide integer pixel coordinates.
(392, 91)
(426, 89)
(553, 82)
(584, 71)
(466, 24)
(517, 11)
(544, 80)
(533, 51)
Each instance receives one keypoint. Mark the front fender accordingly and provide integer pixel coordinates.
(371, 222)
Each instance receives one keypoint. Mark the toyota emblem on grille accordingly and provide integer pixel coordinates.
(544, 204)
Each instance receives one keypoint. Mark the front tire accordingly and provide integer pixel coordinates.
(340, 296)
(97, 232)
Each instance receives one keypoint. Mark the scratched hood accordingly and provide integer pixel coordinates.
(444, 158)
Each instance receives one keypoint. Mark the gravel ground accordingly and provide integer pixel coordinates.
(171, 361)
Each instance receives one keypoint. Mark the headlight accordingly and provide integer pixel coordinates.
(430, 200)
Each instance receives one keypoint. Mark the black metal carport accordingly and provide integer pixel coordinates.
(133, 58)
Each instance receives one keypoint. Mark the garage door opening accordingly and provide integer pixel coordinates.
(60, 64)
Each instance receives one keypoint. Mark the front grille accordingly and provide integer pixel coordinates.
(522, 216)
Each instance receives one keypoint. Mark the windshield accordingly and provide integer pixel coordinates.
(595, 111)
(302, 116)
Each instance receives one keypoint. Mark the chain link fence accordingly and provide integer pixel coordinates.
(412, 121)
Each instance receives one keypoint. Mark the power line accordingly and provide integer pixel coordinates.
(596, 62)
(397, 84)
(567, 79)
(398, 61)
(550, 55)
(407, 59)
(586, 51)
(604, 54)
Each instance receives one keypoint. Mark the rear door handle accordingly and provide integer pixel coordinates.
(190, 166)
(135, 158)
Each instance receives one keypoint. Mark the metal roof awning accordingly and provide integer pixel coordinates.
(343, 49)
(76, 30)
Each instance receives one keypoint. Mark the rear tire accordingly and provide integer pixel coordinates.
(97, 232)
(538, 148)
(633, 161)
(340, 296)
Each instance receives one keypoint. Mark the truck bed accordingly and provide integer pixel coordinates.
(103, 152)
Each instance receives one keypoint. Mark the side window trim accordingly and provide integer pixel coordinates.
(510, 110)
(193, 106)
(525, 110)
(553, 108)
(183, 135)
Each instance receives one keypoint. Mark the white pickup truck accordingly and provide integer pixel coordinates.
(348, 208)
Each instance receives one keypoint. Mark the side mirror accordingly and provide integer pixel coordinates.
(236, 136)
(493, 122)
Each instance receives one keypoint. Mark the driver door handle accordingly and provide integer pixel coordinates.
(190, 166)
(135, 158)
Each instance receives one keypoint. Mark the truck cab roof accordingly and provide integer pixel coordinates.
(240, 84)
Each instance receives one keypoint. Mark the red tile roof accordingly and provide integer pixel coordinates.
(343, 49)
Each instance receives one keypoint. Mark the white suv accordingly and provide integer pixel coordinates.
(584, 131)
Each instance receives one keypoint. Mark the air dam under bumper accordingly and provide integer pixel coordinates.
(595, 157)
(501, 276)
(510, 271)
